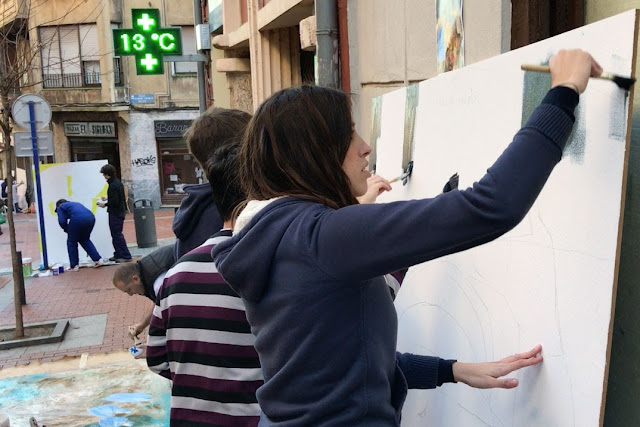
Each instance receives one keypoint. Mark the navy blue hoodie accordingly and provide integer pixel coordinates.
(77, 213)
(311, 279)
(196, 220)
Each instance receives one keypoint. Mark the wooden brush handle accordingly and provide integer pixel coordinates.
(546, 69)
(536, 68)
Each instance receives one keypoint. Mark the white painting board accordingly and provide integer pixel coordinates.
(79, 182)
(549, 281)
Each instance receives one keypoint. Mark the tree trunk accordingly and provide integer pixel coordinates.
(15, 262)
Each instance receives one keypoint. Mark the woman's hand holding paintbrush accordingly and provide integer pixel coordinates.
(376, 185)
(563, 74)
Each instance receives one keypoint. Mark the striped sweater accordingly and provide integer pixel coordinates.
(200, 339)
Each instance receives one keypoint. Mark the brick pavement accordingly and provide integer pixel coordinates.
(87, 292)
(76, 294)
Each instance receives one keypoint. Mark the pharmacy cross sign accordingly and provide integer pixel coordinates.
(147, 41)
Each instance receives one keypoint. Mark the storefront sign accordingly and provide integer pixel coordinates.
(171, 128)
(93, 129)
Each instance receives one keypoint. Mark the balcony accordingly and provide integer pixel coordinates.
(83, 91)
(13, 12)
(88, 79)
(273, 14)
(53, 81)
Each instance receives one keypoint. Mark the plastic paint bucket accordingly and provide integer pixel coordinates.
(26, 267)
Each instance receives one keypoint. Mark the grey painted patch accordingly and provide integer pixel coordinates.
(411, 105)
(576, 146)
(535, 87)
(617, 114)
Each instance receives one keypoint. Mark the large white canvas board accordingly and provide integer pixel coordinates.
(79, 182)
(548, 281)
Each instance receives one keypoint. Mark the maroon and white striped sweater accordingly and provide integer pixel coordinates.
(200, 339)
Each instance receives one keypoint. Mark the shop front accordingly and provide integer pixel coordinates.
(177, 167)
(93, 141)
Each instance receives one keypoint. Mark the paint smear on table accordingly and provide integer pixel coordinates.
(119, 394)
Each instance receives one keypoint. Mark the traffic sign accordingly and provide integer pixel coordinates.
(147, 41)
(24, 144)
(34, 112)
(20, 111)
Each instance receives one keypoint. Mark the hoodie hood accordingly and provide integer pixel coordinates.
(245, 260)
(247, 214)
(196, 220)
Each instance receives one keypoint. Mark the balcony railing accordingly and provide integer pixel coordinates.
(87, 79)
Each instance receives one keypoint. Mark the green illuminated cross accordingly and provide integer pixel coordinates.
(146, 22)
(147, 41)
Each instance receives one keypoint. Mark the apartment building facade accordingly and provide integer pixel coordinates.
(102, 109)
(259, 47)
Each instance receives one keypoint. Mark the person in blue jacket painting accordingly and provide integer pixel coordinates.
(77, 221)
(310, 263)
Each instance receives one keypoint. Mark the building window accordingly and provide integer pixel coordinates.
(188, 48)
(118, 78)
(91, 73)
(70, 56)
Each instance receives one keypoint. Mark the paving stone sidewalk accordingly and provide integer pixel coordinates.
(99, 314)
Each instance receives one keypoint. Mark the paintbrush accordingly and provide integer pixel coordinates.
(403, 176)
(399, 177)
(136, 341)
(622, 82)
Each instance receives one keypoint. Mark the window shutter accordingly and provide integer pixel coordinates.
(188, 48)
(89, 43)
(50, 50)
(70, 49)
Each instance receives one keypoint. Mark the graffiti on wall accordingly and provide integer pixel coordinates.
(144, 161)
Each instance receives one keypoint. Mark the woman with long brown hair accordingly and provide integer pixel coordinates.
(311, 264)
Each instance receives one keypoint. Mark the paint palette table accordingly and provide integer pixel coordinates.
(118, 394)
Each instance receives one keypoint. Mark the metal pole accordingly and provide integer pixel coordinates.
(327, 43)
(197, 18)
(36, 165)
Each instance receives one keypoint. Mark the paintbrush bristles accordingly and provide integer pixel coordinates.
(622, 82)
